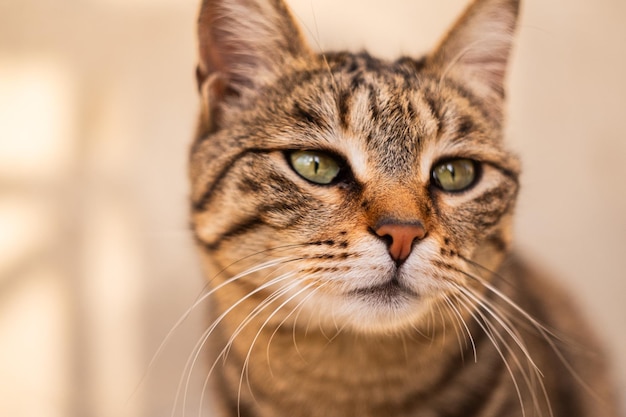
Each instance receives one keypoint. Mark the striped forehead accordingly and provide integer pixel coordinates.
(380, 119)
(385, 118)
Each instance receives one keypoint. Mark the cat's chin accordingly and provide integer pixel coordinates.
(388, 316)
(388, 292)
(386, 309)
(393, 302)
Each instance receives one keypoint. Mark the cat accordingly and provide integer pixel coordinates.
(354, 218)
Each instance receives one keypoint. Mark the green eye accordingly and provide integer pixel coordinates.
(455, 174)
(314, 166)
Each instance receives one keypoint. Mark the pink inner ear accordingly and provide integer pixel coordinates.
(246, 41)
(220, 51)
(479, 44)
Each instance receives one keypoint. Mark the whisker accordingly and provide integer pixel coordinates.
(293, 330)
(202, 297)
(224, 352)
(514, 335)
(246, 362)
(482, 322)
(298, 308)
(461, 321)
(257, 310)
(249, 319)
(204, 337)
(546, 333)
(539, 326)
(504, 323)
(457, 58)
(443, 322)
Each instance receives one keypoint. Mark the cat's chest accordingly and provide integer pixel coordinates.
(336, 375)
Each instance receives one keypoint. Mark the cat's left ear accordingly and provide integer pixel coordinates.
(478, 47)
(244, 44)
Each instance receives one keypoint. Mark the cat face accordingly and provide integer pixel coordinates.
(354, 190)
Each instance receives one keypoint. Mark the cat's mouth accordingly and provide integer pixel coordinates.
(391, 289)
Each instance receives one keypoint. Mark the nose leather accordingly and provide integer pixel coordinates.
(402, 236)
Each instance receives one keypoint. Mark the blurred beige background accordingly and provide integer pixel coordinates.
(97, 107)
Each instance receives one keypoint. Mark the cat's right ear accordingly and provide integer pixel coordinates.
(478, 46)
(242, 45)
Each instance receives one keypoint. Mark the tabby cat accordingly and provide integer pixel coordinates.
(354, 217)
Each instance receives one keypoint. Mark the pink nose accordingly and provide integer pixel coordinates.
(402, 236)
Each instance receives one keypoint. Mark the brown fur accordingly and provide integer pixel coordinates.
(312, 315)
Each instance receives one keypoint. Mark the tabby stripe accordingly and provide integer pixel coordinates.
(235, 406)
(410, 111)
(249, 224)
(474, 101)
(484, 379)
(455, 377)
(488, 223)
(343, 108)
(310, 116)
(476, 401)
(357, 82)
(500, 193)
(567, 404)
(491, 218)
(237, 229)
(434, 109)
(409, 67)
(201, 203)
(563, 402)
(498, 242)
(490, 388)
(371, 64)
(510, 174)
(373, 105)
(465, 126)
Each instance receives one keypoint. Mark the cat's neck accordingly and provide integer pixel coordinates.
(346, 368)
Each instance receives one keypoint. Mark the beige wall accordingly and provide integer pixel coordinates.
(97, 102)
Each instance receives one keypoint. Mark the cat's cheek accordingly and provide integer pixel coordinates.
(471, 216)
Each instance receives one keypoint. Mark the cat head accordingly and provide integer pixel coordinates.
(357, 189)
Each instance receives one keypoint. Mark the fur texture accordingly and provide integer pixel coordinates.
(313, 313)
